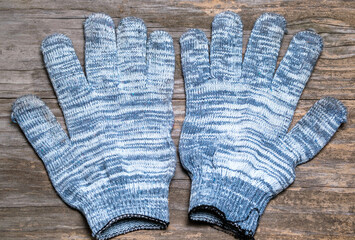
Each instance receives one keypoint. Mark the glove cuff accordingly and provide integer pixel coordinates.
(233, 203)
(126, 207)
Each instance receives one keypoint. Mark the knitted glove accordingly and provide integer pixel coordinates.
(235, 142)
(117, 162)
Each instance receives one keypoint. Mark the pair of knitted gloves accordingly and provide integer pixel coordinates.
(117, 160)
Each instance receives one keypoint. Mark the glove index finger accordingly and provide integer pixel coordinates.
(63, 65)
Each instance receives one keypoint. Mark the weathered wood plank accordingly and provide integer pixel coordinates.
(333, 74)
(279, 218)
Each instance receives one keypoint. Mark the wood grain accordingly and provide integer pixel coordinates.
(320, 204)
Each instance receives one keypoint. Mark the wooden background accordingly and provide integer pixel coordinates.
(319, 205)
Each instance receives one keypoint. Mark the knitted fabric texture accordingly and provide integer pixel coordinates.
(117, 162)
(235, 142)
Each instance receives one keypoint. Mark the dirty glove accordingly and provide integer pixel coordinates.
(235, 142)
(117, 162)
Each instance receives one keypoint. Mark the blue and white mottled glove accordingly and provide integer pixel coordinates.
(235, 142)
(117, 162)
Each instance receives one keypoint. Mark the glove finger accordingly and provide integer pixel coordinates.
(292, 75)
(64, 68)
(63, 65)
(40, 128)
(68, 80)
(131, 46)
(194, 58)
(263, 48)
(100, 49)
(316, 128)
(161, 62)
(226, 46)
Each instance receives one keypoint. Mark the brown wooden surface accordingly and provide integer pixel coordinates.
(319, 205)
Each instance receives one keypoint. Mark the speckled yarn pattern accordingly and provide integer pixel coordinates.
(235, 142)
(117, 162)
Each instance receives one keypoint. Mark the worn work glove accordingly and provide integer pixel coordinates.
(117, 162)
(235, 142)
